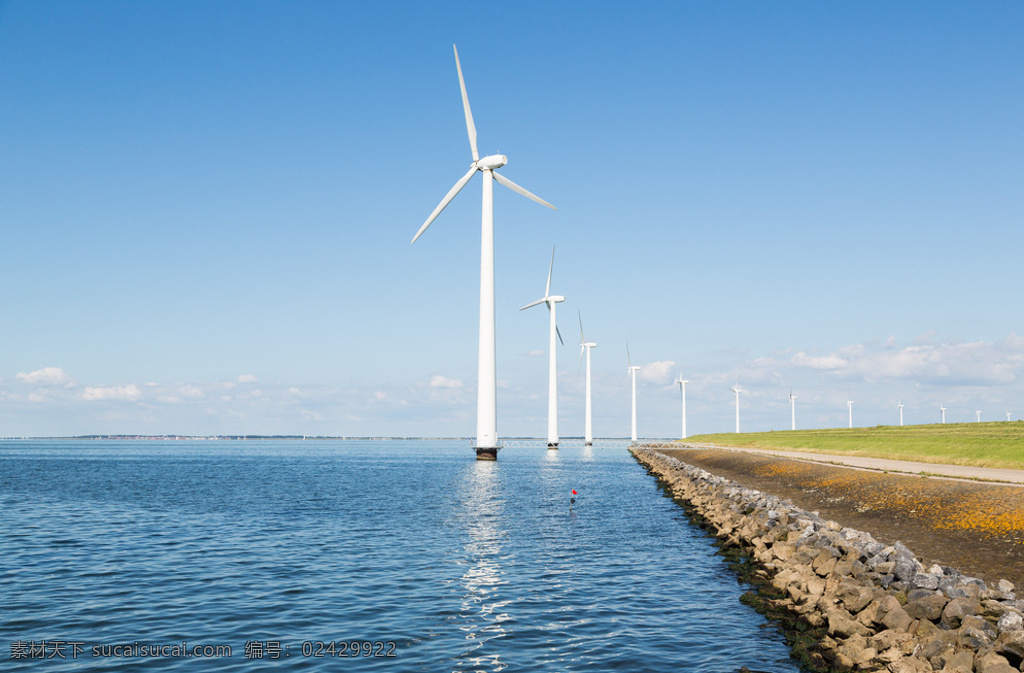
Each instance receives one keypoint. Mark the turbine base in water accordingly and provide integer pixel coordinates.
(486, 452)
(553, 446)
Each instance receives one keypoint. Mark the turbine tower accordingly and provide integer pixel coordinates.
(585, 346)
(682, 393)
(979, 415)
(849, 407)
(487, 385)
(551, 300)
(899, 404)
(631, 370)
(942, 410)
(737, 391)
(792, 409)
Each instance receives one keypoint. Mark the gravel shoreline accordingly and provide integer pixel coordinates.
(975, 527)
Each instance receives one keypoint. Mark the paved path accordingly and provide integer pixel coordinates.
(1003, 476)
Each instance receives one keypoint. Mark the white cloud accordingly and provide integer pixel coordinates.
(247, 378)
(438, 381)
(47, 376)
(535, 354)
(122, 393)
(801, 359)
(380, 396)
(660, 373)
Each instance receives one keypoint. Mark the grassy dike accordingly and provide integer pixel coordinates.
(981, 444)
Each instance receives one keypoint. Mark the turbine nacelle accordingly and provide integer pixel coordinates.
(554, 299)
(490, 163)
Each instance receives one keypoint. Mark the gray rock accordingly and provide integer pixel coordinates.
(926, 581)
(1010, 621)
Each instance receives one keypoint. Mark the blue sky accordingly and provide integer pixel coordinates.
(206, 211)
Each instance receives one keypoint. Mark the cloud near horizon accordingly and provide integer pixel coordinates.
(129, 392)
(47, 376)
(438, 381)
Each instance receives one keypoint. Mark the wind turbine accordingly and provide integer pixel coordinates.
(585, 346)
(487, 385)
(899, 404)
(792, 408)
(979, 415)
(631, 370)
(942, 409)
(682, 393)
(849, 407)
(1007, 415)
(551, 300)
(737, 390)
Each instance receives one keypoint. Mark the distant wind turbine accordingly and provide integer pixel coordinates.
(979, 415)
(1007, 415)
(551, 300)
(585, 346)
(631, 370)
(899, 404)
(792, 409)
(942, 409)
(849, 407)
(487, 384)
(737, 391)
(682, 393)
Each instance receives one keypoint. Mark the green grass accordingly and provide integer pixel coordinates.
(981, 444)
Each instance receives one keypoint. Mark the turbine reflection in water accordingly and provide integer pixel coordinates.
(482, 610)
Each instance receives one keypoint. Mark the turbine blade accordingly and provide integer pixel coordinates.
(629, 361)
(516, 188)
(533, 303)
(547, 288)
(445, 201)
(559, 333)
(470, 126)
(580, 368)
(582, 338)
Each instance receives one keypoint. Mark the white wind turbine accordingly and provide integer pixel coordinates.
(551, 300)
(737, 391)
(942, 410)
(585, 346)
(486, 407)
(849, 407)
(1007, 415)
(792, 409)
(682, 393)
(899, 404)
(631, 370)
(979, 415)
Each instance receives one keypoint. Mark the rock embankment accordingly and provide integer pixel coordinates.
(876, 606)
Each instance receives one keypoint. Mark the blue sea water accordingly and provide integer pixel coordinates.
(281, 550)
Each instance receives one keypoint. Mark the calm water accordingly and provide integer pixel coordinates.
(462, 565)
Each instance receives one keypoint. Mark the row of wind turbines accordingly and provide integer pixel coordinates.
(487, 444)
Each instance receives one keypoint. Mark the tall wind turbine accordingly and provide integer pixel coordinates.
(682, 393)
(585, 346)
(942, 410)
(487, 385)
(737, 391)
(551, 300)
(899, 404)
(631, 370)
(979, 415)
(792, 408)
(849, 407)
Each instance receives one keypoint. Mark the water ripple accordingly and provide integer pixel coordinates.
(465, 565)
